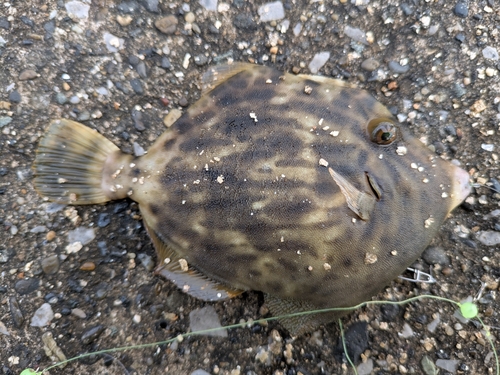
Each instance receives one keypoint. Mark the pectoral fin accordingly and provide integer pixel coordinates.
(361, 203)
(176, 269)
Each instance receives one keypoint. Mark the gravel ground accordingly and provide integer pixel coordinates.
(121, 67)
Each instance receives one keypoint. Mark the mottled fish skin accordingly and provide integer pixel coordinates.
(236, 188)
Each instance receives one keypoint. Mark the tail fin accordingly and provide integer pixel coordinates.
(69, 163)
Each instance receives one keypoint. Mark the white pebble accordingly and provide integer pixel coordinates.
(318, 61)
(271, 11)
(42, 316)
(77, 9)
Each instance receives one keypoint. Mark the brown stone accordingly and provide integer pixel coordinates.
(167, 25)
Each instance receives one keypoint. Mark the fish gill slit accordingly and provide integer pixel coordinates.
(373, 186)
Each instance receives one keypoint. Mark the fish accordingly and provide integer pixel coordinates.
(304, 188)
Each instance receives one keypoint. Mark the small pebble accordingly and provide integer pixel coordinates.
(84, 116)
(74, 99)
(206, 318)
(124, 20)
(15, 312)
(489, 238)
(61, 98)
(449, 365)
(137, 86)
(15, 96)
(113, 43)
(4, 23)
(397, 68)
(210, 5)
(82, 235)
(271, 11)
(318, 61)
(151, 5)
(356, 34)
(200, 372)
(88, 266)
(50, 265)
(189, 17)
(92, 334)
(370, 64)
(103, 220)
(26, 286)
(490, 53)
(365, 368)
(461, 8)
(435, 255)
(138, 149)
(183, 102)
(167, 25)
(5, 120)
(79, 313)
(28, 74)
(43, 316)
(77, 9)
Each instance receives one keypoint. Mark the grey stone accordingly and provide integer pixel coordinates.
(356, 34)
(370, 64)
(209, 5)
(26, 286)
(15, 97)
(5, 120)
(167, 25)
(137, 86)
(4, 23)
(461, 9)
(490, 53)
(397, 68)
(436, 255)
(449, 365)
(61, 98)
(271, 11)
(77, 9)
(318, 61)
(50, 265)
(82, 235)
(489, 237)
(128, 7)
(43, 316)
(245, 21)
(113, 43)
(151, 5)
(206, 318)
(92, 334)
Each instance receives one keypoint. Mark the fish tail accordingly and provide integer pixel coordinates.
(70, 162)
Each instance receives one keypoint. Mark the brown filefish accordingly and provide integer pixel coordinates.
(301, 187)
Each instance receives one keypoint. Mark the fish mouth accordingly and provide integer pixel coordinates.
(461, 186)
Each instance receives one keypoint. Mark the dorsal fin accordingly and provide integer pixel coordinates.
(328, 80)
(361, 203)
(176, 269)
(217, 75)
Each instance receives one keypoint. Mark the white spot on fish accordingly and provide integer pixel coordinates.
(183, 264)
(220, 179)
(253, 116)
(401, 150)
(428, 222)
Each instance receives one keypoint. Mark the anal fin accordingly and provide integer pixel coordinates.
(299, 324)
(187, 278)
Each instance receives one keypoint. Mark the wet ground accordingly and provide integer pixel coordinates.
(121, 67)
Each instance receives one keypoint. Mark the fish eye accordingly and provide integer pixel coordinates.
(382, 131)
